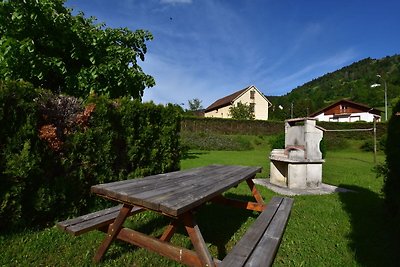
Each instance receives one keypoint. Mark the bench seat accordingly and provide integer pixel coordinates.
(260, 243)
(92, 221)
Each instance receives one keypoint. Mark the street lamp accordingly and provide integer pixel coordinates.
(376, 85)
(384, 81)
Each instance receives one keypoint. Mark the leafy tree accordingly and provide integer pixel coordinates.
(43, 43)
(195, 104)
(242, 112)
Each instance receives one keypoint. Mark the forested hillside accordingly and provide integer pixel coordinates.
(352, 82)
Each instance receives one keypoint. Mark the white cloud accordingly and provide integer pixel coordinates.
(177, 83)
(174, 83)
(212, 58)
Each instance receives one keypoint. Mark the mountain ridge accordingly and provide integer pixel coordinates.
(352, 82)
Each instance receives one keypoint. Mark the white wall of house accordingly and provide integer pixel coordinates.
(362, 116)
(260, 104)
(218, 113)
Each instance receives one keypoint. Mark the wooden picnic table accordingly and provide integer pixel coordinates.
(176, 195)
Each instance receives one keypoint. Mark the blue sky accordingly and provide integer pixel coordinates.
(207, 49)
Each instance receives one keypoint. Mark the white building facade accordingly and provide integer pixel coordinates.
(250, 96)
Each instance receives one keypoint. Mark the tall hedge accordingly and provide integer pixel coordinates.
(392, 178)
(20, 151)
(53, 148)
(261, 127)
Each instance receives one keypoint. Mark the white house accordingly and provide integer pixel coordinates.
(249, 95)
(347, 111)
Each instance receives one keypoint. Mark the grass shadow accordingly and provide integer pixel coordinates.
(375, 236)
(147, 222)
(192, 155)
(219, 223)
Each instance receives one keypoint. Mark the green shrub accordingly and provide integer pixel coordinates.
(54, 148)
(278, 142)
(20, 160)
(335, 142)
(368, 144)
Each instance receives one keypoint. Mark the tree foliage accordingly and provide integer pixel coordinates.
(242, 112)
(195, 104)
(42, 42)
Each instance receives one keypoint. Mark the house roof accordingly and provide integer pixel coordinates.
(360, 106)
(228, 100)
(225, 101)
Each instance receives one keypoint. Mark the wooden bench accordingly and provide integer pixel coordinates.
(98, 220)
(260, 243)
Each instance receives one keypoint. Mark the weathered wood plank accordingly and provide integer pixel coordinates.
(67, 223)
(208, 184)
(243, 249)
(126, 190)
(202, 178)
(267, 247)
(148, 179)
(205, 193)
(92, 221)
(185, 190)
(132, 193)
(178, 187)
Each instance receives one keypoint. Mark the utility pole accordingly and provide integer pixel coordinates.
(291, 111)
(374, 140)
(386, 107)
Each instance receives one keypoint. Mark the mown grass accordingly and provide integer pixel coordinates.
(340, 229)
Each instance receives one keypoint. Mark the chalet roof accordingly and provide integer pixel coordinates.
(228, 100)
(360, 106)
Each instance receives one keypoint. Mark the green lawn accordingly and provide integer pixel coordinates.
(341, 229)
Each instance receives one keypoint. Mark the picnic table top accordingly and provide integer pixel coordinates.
(176, 192)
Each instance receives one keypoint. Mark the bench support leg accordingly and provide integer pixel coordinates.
(198, 242)
(112, 232)
(255, 192)
(259, 205)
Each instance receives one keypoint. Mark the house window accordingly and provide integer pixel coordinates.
(252, 107)
(343, 108)
(252, 94)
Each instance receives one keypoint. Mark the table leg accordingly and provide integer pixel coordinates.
(249, 205)
(112, 232)
(255, 192)
(198, 242)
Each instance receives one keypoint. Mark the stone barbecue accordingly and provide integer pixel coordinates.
(299, 165)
